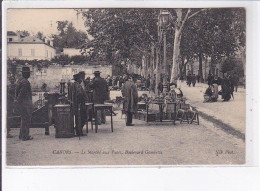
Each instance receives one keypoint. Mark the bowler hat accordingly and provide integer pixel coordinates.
(25, 69)
(81, 72)
(97, 72)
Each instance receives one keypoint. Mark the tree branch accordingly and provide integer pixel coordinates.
(196, 13)
(143, 51)
(184, 20)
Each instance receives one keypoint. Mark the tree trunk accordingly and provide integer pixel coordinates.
(205, 69)
(176, 53)
(200, 67)
(185, 71)
(158, 71)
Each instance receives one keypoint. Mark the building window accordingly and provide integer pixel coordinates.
(10, 39)
(20, 53)
(32, 52)
(47, 53)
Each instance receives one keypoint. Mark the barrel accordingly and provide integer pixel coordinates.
(63, 118)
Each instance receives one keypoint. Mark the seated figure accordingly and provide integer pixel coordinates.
(208, 95)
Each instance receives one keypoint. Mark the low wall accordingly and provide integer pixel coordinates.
(55, 74)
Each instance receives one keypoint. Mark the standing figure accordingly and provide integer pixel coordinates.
(160, 87)
(24, 104)
(79, 96)
(130, 93)
(231, 85)
(10, 101)
(100, 94)
(210, 79)
(198, 78)
(153, 84)
(121, 81)
(189, 77)
(193, 79)
(235, 81)
(226, 89)
(147, 83)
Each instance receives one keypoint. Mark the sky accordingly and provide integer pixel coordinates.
(43, 20)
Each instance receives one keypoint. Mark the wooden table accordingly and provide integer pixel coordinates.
(161, 110)
(103, 107)
(89, 108)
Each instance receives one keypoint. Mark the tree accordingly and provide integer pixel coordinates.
(23, 33)
(209, 34)
(39, 35)
(69, 36)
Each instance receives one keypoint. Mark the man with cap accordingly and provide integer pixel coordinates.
(79, 96)
(130, 93)
(100, 94)
(24, 105)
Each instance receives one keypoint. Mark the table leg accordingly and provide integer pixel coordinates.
(175, 114)
(93, 113)
(87, 122)
(161, 112)
(96, 122)
(147, 112)
(91, 120)
(111, 119)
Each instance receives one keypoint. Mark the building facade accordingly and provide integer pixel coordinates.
(28, 48)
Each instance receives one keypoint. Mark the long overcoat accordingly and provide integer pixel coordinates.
(129, 91)
(226, 90)
(24, 97)
(100, 90)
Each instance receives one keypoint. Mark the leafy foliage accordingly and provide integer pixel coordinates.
(120, 34)
(69, 36)
(23, 33)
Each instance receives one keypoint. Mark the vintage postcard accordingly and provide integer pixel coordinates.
(129, 86)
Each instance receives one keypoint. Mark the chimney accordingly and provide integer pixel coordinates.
(51, 42)
(46, 40)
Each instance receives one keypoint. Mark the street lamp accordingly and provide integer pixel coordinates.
(163, 22)
(164, 19)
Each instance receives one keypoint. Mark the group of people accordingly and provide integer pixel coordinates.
(82, 90)
(191, 79)
(116, 81)
(85, 91)
(228, 84)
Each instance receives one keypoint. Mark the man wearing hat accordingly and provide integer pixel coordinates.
(130, 93)
(24, 105)
(79, 96)
(100, 94)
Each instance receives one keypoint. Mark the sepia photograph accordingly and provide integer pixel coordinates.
(125, 86)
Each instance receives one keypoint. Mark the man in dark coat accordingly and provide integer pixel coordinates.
(160, 87)
(100, 94)
(193, 79)
(235, 81)
(189, 78)
(147, 83)
(198, 78)
(210, 79)
(79, 96)
(130, 93)
(226, 89)
(23, 103)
